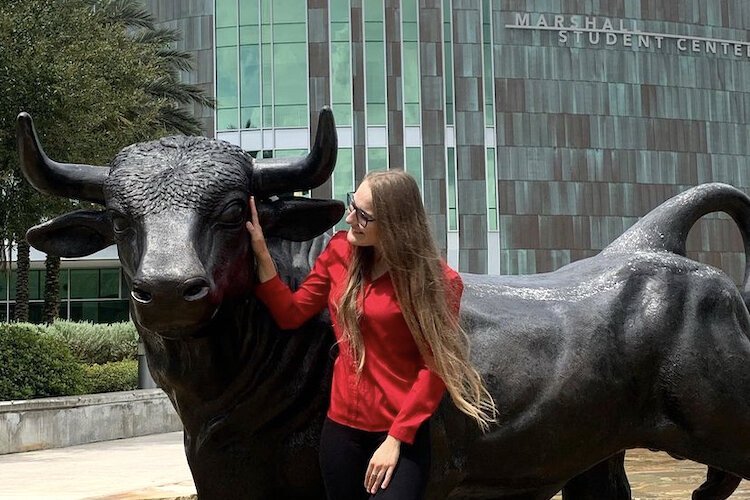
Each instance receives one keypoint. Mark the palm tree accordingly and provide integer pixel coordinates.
(166, 88)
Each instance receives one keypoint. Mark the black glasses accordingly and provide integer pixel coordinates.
(362, 217)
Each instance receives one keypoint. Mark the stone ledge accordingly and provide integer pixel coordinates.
(44, 423)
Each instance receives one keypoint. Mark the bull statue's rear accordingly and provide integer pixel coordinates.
(638, 346)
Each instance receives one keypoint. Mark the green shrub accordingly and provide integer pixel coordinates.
(111, 377)
(33, 365)
(96, 343)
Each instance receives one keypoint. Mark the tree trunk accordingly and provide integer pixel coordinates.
(52, 289)
(22, 281)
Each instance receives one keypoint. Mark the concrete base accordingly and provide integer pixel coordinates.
(57, 422)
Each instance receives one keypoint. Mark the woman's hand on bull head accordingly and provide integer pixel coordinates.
(266, 267)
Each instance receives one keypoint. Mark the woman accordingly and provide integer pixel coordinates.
(394, 308)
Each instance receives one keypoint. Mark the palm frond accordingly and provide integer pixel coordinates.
(129, 13)
(157, 36)
(173, 118)
(175, 59)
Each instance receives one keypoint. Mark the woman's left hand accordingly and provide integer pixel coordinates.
(382, 464)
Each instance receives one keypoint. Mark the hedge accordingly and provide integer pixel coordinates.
(33, 365)
(66, 358)
(93, 343)
(111, 377)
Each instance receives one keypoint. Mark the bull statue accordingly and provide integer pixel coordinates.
(638, 346)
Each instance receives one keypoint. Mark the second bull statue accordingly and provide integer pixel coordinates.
(638, 346)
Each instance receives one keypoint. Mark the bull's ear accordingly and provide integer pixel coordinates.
(298, 219)
(76, 234)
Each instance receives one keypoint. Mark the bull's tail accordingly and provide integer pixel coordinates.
(666, 227)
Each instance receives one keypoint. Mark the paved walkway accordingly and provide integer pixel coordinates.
(147, 467)
(154, 467)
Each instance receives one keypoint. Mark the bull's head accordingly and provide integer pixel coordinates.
(176, 209)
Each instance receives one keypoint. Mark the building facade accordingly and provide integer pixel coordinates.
(538, 130)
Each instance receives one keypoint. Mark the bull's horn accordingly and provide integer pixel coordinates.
(80, 182)
(282, 175)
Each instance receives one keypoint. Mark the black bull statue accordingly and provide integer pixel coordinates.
(638, 346)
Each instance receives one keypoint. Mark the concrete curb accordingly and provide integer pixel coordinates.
(44, 423)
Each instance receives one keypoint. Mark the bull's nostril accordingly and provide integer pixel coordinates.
(141, 296)
(195, 289)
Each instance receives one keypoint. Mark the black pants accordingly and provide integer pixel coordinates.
(345, 453)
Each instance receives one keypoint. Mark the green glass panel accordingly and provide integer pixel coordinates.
(410, 32)
(265, 11)
(267, 116)
(409, 11)
(341, 87)
(411, 84)
(13, 282)
(226, 71)
(124, 291)
(249, 76)
(251, 117)
(491, 177)
(339, 32)
(226, 13)
(289, 11)
(267, 72)
(64, 282)
(375, 83)
(84, 311)
(451, 188)
(413, 158)
(290, 115)
(227, 119)
(226, 37)
(84, 283)
(266, 34)
(290, 74)
(289, 33)
(112, 311)
(373, 10)
(4, 313)
(3, 286)
(249, 35)
(249, 12)
(377, 159)
(109, 283)
(339, 10)
(35, 290)
(36, 312)
(289, 153)
(62, 311)
(343, 180)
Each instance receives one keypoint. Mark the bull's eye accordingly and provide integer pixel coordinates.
(234, 213)
(120, 223)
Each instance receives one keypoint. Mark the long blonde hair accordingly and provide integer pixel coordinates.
(417, 274)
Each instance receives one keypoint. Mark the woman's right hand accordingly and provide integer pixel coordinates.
(266, 267)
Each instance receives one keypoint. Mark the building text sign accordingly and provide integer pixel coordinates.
(594, 30)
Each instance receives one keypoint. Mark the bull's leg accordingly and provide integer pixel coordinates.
(719, 485)
(605, 480)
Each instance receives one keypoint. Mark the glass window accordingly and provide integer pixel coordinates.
(489, 79)
(84, 311)
(291, 153)
(289, 11)
(62, 312)
(343, 179)
(249, 35)
(36, 312)
(84, 283)
(109, 283)
(124, 290)
(492, 215)
(249, 12)
(339, 10)
(36, 285)
(413, 165)
(290, 84)
(289, 33)
(3, 285)
(226, 13)
(412, 112)
(226, 71)
(13, 280)
(451, 189)
(226, 37)
(250, 83)
(448, 61)
(377, 159)
(227, 119)
(375, 63)
(63, 280)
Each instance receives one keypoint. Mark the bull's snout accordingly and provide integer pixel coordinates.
(190, 290)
